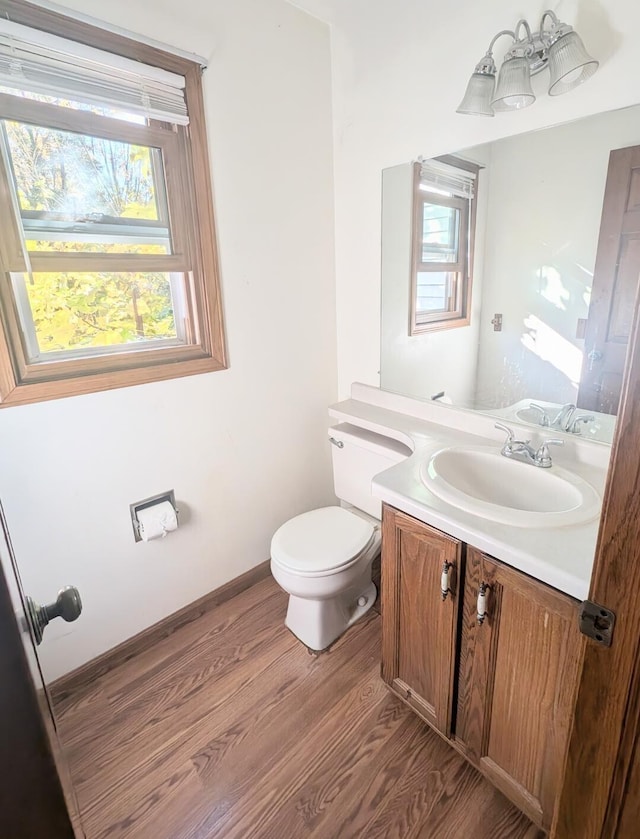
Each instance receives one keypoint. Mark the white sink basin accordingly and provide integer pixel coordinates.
(479, 480)
(532, 416)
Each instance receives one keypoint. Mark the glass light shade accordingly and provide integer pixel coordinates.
(569, 64)
(478, 96)
(514, 86)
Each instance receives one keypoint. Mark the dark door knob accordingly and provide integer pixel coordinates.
(68, 606)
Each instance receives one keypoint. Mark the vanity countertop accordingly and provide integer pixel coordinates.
(562, 557)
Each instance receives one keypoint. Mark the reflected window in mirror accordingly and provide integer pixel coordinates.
(445, 196)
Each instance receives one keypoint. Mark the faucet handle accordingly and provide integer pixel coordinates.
(510, 444)
(542, 456)
(545, 422)
(583, 418)
(508, 431)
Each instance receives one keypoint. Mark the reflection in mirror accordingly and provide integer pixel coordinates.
(551, 305)
(444, 203)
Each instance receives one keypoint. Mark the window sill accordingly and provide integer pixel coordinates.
(25, 393)
(438, 325)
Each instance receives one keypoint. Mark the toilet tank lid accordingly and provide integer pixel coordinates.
(380, 444)
(320, 540)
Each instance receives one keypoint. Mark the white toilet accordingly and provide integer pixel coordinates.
(323, 558)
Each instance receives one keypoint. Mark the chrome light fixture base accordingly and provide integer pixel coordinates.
(536, 51)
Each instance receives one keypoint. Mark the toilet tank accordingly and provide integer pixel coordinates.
(362, 455)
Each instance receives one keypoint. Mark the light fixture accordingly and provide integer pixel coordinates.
(479, 95)
(513, 90)
(558, 46)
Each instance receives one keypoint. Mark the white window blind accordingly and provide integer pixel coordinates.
(37, 62)
(443, 178)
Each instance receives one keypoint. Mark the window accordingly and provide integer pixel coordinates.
(443, 227)
(108, 261)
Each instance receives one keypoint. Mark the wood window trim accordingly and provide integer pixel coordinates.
(19, 384)
(442, 320)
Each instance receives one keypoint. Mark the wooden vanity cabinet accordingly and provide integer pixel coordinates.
(509, 681)
(418, 626)
(516, 679)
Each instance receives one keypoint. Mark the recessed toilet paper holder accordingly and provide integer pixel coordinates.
(169, 496)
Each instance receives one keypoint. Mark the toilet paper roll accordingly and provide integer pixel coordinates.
(156, 521)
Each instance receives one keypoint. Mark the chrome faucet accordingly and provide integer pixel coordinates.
(565, 420)
(564, 416)
(568, 420)
(523, 451)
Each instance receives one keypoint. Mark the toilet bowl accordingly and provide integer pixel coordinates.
(323, 559)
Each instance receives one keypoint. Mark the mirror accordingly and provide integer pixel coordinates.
(539, 204)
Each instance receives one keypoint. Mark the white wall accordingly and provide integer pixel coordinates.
(244, 448)
(400, 70)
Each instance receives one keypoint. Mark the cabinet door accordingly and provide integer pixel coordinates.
(418, 625)
(517, 678)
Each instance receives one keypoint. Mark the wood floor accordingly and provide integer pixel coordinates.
(230, 728)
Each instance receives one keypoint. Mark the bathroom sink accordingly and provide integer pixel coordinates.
(532, 416)
(479, 480)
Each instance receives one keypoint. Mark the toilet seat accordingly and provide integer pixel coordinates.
(321, 541)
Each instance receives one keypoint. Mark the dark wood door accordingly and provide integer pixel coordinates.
(518, 675)
(600, 797)
(34, 800)
(615, 283)
(418, 626)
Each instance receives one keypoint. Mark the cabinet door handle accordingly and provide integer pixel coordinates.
(482, 603)
(445, 588)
